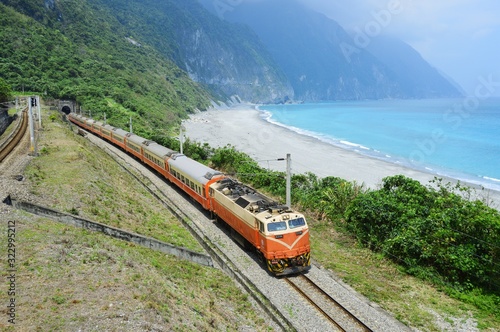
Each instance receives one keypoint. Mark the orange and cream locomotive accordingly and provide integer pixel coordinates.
(279, 234)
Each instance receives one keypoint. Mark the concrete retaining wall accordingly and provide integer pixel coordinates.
(144, 241)
(5, 120)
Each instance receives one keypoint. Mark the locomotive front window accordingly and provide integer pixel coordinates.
(294, 223)
(276, 226)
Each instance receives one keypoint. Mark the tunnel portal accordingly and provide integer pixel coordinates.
(66, 110)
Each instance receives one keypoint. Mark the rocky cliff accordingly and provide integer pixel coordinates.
(228, 59)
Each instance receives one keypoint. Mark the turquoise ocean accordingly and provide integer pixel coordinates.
(458, 138)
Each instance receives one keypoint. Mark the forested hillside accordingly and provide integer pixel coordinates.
(80, 52)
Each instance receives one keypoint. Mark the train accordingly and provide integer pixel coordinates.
(278, 234)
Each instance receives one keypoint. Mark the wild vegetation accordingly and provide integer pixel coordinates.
(435, 233)
(82, 53)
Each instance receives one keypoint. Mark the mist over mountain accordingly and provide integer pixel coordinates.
(324, 62)
(415, 75)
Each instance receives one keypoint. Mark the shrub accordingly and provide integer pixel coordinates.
(430, 231)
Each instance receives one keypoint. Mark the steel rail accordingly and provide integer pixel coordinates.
(314, 304)
(330, 299)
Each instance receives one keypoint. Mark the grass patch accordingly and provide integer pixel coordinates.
(12, 111)
(76, 177)
(92, 280)
(412, 301)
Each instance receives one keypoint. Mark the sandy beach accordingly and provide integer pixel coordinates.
(242, 127)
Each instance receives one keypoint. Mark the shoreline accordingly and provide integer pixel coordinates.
(243, 127)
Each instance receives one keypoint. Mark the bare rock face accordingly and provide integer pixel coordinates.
(245, 70)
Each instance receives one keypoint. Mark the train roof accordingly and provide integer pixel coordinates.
(136, 139)
(157, 149)
(119, 132)
(108, 127)
(78, 116)
(195, 170)
(249, 198)
(98, 124)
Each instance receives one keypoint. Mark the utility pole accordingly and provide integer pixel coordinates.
(130, 123)
(288, 180)
(181, 137)
(104, 118)
(31, 103)
(39, 112)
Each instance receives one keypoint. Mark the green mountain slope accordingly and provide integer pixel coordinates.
(74, 50)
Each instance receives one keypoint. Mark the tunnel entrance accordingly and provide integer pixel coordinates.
(66, 110)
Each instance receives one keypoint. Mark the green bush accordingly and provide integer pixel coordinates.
(431, 231)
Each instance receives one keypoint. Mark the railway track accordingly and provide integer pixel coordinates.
(15, 137)
(341, 318)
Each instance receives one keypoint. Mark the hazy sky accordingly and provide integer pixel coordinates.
(459, 37)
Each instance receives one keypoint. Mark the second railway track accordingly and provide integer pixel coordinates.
(14, 138)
